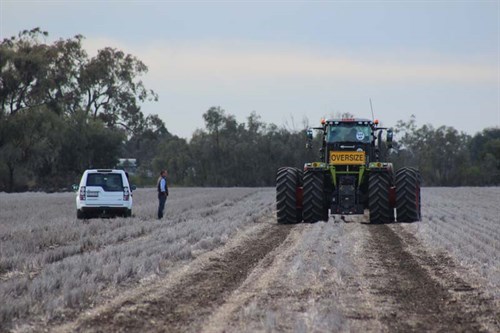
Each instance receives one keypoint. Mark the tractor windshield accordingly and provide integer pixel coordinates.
(349, 132)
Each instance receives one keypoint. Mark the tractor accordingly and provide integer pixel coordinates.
(349, 178)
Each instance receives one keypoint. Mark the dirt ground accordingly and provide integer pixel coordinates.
(323, 277)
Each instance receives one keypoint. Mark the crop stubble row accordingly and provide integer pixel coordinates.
(323, 271)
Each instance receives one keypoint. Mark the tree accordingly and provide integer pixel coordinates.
(32, 143)
(63, 78)
(441, 154)
(214, 118)
(23, 62)
(484, 150)
(62, 112)
(229, 153)
(174, 154)
(108, 88)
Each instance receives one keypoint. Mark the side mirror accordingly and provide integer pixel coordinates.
(309, 134)
(322, 153)
(133, 187)
(389, 137)
(74, 187)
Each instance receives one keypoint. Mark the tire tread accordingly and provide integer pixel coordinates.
(315, 206)
(408, 203)
(287, 181)
(379, 185)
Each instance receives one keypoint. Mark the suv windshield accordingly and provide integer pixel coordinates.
(110, 182)
(348, 133)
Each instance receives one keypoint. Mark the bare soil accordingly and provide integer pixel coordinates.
(420, 292)
(182, 304)
(320, 277)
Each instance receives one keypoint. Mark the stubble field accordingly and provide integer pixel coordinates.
(219, 262)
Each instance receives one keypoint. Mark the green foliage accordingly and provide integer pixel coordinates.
(447, 157)
(32, 143)
(229, 153)
(485, 157)
(173, 154)
(109, 90)
(62, 112)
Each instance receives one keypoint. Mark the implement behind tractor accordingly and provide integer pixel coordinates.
(349, 178)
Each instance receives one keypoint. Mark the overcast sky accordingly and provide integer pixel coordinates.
(290, 60)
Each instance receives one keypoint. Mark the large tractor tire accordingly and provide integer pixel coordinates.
(315, 205)
(408, 206)
(379, 186)
(288, 181)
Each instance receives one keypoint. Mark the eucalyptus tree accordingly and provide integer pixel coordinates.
(109, 89)
(94, 101)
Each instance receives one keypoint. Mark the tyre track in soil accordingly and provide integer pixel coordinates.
(182, 306)
(418, 292)
(408, 289)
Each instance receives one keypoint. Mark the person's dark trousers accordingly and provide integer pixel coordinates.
(162, 198)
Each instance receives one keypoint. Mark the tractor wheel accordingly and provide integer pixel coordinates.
(408, 205)
(300, 177)
(379, 185)
(300, 183)
(315, 205)
(287, 182)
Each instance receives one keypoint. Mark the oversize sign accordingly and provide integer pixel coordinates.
(347, 157)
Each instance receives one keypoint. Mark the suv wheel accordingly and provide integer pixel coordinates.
(79, 214)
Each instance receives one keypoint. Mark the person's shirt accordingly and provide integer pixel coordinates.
(163, 186)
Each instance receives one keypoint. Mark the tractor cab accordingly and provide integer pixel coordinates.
(348, 141)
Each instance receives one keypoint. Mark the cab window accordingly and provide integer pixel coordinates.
(348, 133)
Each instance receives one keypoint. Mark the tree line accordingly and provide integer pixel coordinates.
(228, 153)
(447, 157)
(62, 112)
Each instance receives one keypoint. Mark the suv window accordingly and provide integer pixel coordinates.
(110, 182)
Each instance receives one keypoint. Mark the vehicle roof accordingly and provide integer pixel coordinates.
(104, 170)
(349, 120)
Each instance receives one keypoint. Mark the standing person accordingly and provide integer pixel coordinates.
(162, 192)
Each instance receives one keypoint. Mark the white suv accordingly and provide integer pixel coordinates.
(103, 192)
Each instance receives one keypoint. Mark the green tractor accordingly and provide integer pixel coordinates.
(349, 178)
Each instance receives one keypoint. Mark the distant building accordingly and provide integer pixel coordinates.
(127, 164)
